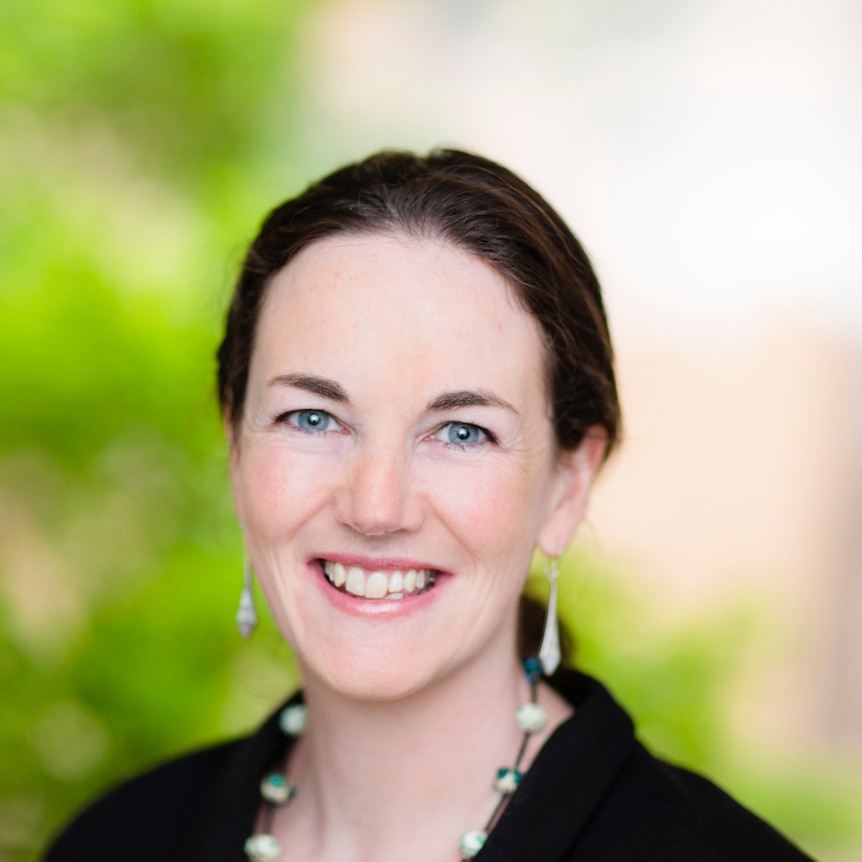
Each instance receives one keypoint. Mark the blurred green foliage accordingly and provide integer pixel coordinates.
(140, 142)
(137, 151)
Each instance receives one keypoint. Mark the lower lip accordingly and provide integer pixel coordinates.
(375, 608)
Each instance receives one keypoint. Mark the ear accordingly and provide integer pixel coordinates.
(575, 473)
(231, 435)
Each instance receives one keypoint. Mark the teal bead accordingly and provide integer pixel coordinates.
(533, 669)
(275, 789)
(507, 780)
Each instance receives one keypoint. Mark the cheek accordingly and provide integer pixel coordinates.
(277, 488)
(491, 505)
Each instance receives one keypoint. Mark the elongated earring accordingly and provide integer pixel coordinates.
(246, 615)
(549, 652)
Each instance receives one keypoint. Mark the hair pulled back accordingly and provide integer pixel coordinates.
(479, 207)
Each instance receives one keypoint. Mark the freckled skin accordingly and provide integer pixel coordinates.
(395, 323)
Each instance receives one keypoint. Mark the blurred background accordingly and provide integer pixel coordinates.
(707, 153)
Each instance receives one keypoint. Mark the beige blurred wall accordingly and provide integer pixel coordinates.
(740, 478)
(707, 155)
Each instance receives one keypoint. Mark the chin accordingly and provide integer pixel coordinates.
(368, 675)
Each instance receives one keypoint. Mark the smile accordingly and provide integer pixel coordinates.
(371, 584)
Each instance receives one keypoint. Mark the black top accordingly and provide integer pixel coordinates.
(593, 794)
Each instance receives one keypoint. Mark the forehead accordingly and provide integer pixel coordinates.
(384, 304)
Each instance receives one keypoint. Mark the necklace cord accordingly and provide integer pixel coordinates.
(276, 791)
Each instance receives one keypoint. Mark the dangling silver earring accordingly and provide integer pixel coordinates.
(549, 652)
(246, 615)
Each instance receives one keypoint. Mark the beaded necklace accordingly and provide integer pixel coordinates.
(275, 790)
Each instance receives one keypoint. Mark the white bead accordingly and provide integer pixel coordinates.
(262, 848)
(531, 717)
(472, 842)
(293, 719)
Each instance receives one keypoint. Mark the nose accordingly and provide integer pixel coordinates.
(377, 498)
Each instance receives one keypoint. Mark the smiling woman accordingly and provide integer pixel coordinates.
(418, 392)
(421, 453)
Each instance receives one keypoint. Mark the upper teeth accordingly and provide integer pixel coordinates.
(371, 584)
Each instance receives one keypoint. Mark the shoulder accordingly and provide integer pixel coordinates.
(198, 807)
(622, 803)
(657, 811)
(147, 816)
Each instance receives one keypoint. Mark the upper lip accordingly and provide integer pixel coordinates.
(379, 564)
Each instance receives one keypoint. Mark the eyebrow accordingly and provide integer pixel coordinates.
(466, 398)
(445, 401)
(318, 385)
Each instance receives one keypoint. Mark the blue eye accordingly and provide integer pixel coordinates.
(311, 421)
(462, 434)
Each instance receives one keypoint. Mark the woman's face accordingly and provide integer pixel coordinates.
(396, 431)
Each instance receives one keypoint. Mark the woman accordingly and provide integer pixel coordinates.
(417, 386)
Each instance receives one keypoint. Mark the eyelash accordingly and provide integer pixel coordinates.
(290, 416)
(486, 435)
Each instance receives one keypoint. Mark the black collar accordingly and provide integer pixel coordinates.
(568, 779)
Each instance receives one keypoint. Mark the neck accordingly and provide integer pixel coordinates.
(382, 779)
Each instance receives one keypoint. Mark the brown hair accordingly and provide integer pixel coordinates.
(484, 209)
(476, 205)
